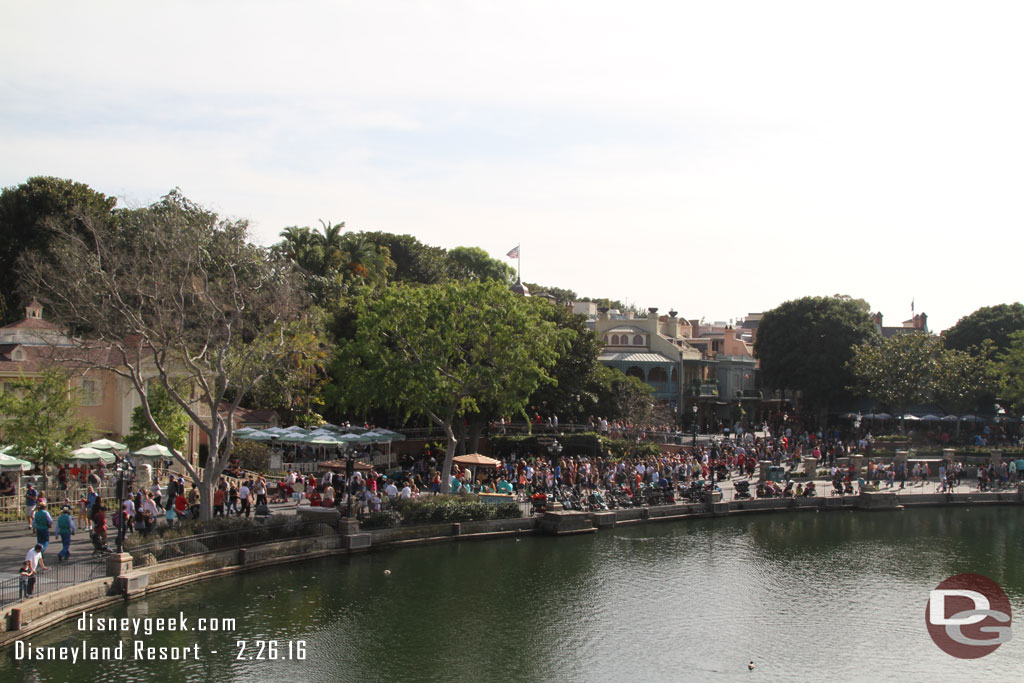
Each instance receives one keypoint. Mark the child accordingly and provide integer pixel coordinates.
(28, 579)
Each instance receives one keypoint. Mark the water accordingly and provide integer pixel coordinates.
(807, 596)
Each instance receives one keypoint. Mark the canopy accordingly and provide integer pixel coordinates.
(244, 430)
(950, 418)
(293, 438)
(476, 459)
(394, 436)
(340, 465)
(930, 418)
(321, 440)
(155, 451)
(256, 436)
(9, 462)
(970, 418)
(106, 445)
(296, 429)
(881, 416)
(88, 454)
(911, 418)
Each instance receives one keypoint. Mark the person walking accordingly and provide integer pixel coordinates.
(42, 522)
(65, 527)
(31, 498)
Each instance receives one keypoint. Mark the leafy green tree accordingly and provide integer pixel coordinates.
(563, 297)
(293, 387)
(175, 295)
(995, 323)
(805, 345)
(1011, 371)
(441, 351)
(899, 371)
(24, 211)
(40, 418)
(473, 263)
(963, 380)
(253, 456)
(414, 261)
(624, 397)
(166, 413)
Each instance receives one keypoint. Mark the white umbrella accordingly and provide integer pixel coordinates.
(930, 418)
(950, 418)
(106, 445)
(9, 462)
(257, 436)
(89, 454)
(156, 450)
(911, 418)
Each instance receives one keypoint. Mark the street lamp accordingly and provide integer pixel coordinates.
(124, 476)
(694, 425)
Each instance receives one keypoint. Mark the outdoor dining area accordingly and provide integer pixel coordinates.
(305, 449)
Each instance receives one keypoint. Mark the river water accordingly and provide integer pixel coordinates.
(836, 596)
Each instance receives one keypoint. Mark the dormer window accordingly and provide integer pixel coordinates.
(638, 340)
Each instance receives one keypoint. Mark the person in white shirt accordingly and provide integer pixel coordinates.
(391, 491)
(243, 497)
(35, 558)
(406, 493)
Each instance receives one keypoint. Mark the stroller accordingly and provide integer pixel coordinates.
(742, 489)
(99, 544)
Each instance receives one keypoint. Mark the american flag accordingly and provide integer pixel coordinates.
(514, 253)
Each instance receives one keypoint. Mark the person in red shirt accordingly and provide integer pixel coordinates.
(181, 506)
(218, 502)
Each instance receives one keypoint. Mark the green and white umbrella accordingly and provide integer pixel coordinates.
(106, 445)
(157, 450)
(9, 462)
(293, 438)
(321, 440)
(89, 454)
(256, 436)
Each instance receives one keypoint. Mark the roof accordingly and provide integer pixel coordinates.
(33, 324)
(635, 357)
(632, 329)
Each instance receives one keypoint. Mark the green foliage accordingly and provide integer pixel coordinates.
(25, 211)
(1011, 369)
(995, 323)
(166, 413)
(579, 380)
(387, 519)
(964, 380)
(442, 351)
(475, 264)
(252, 455)
(623, 397)
(454, 508)
(293, 387)
(899, 371)
(563, 297)
(806, 344)
(41, 418)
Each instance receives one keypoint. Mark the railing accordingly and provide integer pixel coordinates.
(178, 547)
(51, 579)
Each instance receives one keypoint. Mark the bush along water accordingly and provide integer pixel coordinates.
(440, 510)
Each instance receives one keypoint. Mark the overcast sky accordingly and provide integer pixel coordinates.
(714, 157)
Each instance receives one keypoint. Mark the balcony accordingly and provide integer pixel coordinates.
(702, 391)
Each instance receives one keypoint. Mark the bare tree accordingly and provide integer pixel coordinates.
(167, 293)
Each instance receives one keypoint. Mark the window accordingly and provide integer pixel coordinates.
(91, 392)
(615, 340)
(657, 375)
(638, 340)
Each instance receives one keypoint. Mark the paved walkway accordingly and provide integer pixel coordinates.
(16, 540)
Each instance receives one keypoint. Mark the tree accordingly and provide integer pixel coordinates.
(805, 345)
(578, 376)
(1011, 370)
(414, 261)
(293, 387)
(625, 398)
(964, 380)
(899, 371)
(166, 413)
(176, 295)
(473, 263)
(23, 212)
(41, 418)
(441, 351)
(995, 323)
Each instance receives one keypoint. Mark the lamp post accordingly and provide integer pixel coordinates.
(695, 425)
(123, 477)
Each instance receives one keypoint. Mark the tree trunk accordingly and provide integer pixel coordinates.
(476, 429)
(449, 455)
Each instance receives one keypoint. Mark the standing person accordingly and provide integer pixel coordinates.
(260, 489)
(31, 498)
(28, 580)
(34, 560)
(65, 527)
(99, 522)
(91, 498)
(42, 522)
(243, 497)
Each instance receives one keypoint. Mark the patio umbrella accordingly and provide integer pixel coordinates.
(9, 462)
(849, 416)
(911, 418)
(156, 450)
(321, 440)
(257, 436)
(244, 430)
(296, 429)
(395, 436)
(881, 416)
(969, 418)
(88, 454)
(294, 438)
(476, 460)
(106, 445)
(930, 418)
(950, 418)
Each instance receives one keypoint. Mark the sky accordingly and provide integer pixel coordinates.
(718, 158)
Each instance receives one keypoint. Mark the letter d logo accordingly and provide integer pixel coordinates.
(968, 616)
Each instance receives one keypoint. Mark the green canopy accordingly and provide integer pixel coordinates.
(9, 462)
(256, 436)
(87, 454)
(155, 451)
(106, 445)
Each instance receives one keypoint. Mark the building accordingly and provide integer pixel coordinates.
(28, 347)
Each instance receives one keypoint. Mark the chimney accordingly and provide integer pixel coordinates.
(602, 313)
(877, 317)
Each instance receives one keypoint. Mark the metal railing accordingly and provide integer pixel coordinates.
(51, 579)
(175, 547)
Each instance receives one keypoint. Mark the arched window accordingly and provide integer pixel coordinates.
(675, 375)
(615, 340)
(634, 371)
(657, 375)
(638, 340)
